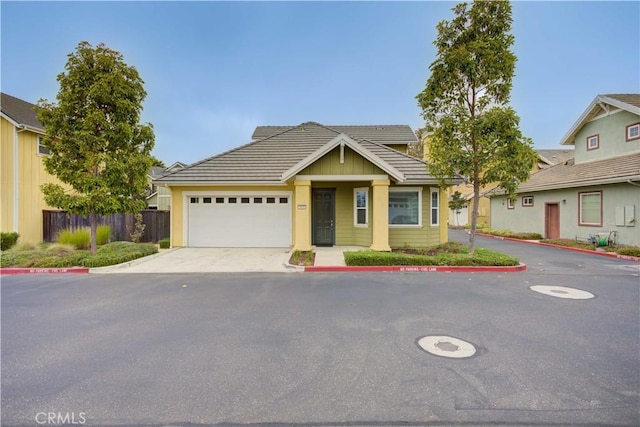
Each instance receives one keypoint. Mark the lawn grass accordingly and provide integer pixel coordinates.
(449, 254)
(59, 255)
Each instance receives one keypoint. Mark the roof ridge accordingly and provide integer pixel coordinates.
(395, 151)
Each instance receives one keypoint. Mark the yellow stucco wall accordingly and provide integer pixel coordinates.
(31, 175)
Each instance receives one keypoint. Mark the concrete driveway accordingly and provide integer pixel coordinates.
(208, 260)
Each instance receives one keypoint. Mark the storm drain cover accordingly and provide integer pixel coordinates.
(562, 292)
(442, 345)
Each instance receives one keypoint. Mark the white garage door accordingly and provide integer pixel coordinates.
(239, 220)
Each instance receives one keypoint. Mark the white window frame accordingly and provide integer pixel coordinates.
(527, 205)
(595, 138)
(40, 145)
(437, 207)
(510, 203)
(356, 208)
(628, 133)
(589, 224)
(408, 190)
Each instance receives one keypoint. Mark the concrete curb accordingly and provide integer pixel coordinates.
(28, 270)
(568, 248)
(416, 269)
(110, 268)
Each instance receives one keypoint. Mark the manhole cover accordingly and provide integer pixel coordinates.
(562, 292)
(442, 345)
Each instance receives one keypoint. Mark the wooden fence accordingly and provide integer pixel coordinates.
(157, 224)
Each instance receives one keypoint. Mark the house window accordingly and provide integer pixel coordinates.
(527, 201)
(42, 149)
(405, 207)
(593, 142)
(361, 207)
(510, 204)
(435, 207)
(590, 208)
(633, 132)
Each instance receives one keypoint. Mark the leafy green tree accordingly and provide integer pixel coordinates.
(465, 102)
(457, 203)
(98, 147)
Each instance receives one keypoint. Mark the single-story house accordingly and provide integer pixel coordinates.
(308, 185)
(596, 192)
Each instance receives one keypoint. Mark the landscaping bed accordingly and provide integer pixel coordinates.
(619, 249)
(449, 254)
(304, 258)
(62, 255)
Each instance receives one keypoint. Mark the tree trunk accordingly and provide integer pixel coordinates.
(93, 222)
(474, 214)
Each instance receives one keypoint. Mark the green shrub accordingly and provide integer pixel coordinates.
(7, 240)
(118, 252)
(80, 238)
(165, 243)
(629, 250)
(17, 259)
(59, 250)
(481, 257)
(24, 246)
(103, 234)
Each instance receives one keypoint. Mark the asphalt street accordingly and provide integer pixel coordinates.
(326, 349)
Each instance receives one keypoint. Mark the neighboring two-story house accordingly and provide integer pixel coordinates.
(159, 197)
(596, 192)
(22, 170)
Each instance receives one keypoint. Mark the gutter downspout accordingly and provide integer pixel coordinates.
(632, 183)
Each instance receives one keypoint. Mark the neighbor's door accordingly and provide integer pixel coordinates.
(323, 216)
(552, 221)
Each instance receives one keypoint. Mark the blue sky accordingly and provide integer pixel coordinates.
(216, 70)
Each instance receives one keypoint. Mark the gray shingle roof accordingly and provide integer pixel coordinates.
(569, 174)
(382, 134)
(19, 111)
(267, 159)
(554, 156)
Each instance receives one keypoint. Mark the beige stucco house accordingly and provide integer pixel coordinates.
(310, 184)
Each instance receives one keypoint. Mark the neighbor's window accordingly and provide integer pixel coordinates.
(435, 207)
(633, 132)
(361, 206)
(405, 207)
(593, 142)
(42, 149)
(510, 204)
(590, 208)
(527, 201)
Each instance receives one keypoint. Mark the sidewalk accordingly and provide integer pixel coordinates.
(332, 256)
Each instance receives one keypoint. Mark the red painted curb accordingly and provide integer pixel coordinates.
(568, 248)
(415, 269)
(27, 270)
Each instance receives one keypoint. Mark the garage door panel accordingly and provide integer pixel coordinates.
(239, 224)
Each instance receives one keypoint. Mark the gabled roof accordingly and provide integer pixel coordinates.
(276, 159)
(552, 157)
(382, 134)
(603, 104)
(570, 175)
(20, 112)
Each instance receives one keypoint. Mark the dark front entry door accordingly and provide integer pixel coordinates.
(323, 216)
(552, 221)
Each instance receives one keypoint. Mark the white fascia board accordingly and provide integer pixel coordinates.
(586, 183)
(598, 99)
(22, 127)
(342, 139)
(218, 183)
